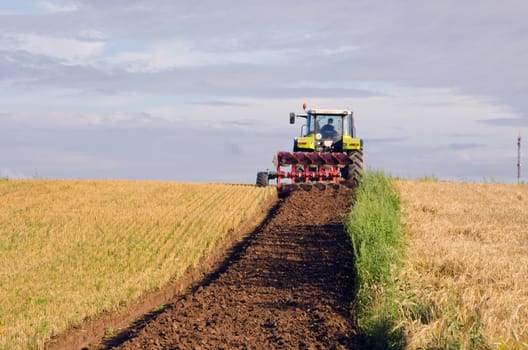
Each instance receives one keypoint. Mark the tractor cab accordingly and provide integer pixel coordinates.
(326, 130)
(328, 126)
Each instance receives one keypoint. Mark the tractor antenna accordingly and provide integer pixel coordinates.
(519, 158)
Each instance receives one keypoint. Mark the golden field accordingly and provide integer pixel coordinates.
(466, 269)
(71, 249)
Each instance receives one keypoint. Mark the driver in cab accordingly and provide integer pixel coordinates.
(328, 130)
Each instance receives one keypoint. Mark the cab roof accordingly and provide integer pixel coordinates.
(316, 111)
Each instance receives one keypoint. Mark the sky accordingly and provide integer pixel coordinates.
(201, 91)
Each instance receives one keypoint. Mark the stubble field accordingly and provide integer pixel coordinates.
(466, 267)
(72, 249)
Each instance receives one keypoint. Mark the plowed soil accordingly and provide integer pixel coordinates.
(288, 286)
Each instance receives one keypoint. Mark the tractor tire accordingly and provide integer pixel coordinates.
(262, 179)
(352, 172)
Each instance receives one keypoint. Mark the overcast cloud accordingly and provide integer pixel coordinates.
(201, 91)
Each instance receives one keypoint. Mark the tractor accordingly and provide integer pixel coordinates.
(326, 153)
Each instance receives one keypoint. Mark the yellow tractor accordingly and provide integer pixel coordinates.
(326, 153)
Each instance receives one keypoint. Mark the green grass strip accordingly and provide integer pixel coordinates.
(375, 230)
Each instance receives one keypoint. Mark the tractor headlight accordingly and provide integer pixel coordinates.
(318, 136)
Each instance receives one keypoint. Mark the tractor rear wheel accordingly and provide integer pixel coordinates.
(352, 172)
(262, 179)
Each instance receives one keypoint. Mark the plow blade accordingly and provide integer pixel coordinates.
(307, 169)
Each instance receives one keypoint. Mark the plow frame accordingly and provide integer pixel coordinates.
(309, 168)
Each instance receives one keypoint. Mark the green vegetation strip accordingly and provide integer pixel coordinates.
(375, 230)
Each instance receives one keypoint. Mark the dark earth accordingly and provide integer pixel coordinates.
(288, 285)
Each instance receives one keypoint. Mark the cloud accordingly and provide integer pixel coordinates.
(171, 54)
(92, 34)
(68, 51)
(216, 103)
(386, 140)
(54, 7)
(461, 146)
(65, 120)
(507, 122)
(232, 148)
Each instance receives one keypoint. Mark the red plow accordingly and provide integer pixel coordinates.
(307, 168)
